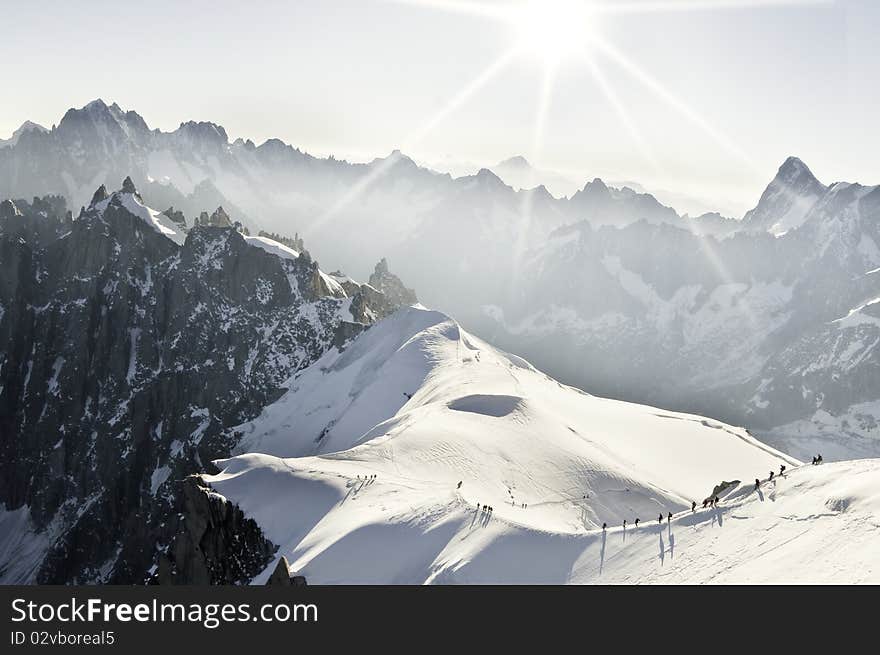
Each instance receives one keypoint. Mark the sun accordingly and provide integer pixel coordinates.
(553, 29)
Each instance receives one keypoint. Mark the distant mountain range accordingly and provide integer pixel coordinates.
(196, 168)
(608, 289)
(519, 173)
(775, 326)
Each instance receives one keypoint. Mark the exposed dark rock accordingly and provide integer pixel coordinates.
(721, 486)
(176, 216)
(281, 574)
(125, 359)
(220, 218)
(214, 544)
(390, 286)
(101, 194)
(127, 186)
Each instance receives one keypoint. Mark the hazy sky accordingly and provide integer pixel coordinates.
(714, 98)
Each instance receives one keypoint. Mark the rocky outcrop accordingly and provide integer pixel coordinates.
(101, 194)
(175, 215)
(215, 543)
(384, 293)
(220, 218)
(127, 186)
(391, 286)
(281, 575)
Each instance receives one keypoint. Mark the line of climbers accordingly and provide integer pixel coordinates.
(781, 471)
(708, 502)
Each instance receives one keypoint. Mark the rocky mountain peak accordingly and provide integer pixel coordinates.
(391, 286)
(220, 218)
(274, 146)
(96, 106)
(541, 192)
(794, 169)
(95, 112)
(100, 195)
(517, 161)
(27, 126)
(488, 178)
(787, 200)
(597, 186)
(795, 177)
(399, 161)
(128, 186)
(203, 132)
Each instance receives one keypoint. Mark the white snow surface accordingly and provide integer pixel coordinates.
(272, 247)
(512, 435)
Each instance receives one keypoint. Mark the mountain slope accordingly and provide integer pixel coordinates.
(814, 525)
(421, 405)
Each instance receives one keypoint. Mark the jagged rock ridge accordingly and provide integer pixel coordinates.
(128, 346)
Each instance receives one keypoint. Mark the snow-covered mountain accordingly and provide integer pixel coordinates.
(27, 126)
(517, 172)
(771, 326)
(375, 465)
(386, 202)
(130, 341)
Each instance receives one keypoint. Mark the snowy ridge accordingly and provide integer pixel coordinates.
(27, 126)
(135, 206)
(272, 247)
(422, 405)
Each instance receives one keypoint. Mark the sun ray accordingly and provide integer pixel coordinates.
(524, 225)
(611, 96)
(544, 98)
(413, 139)
(682, 107)
(706, 242)
(707, 245)
(672, 100)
